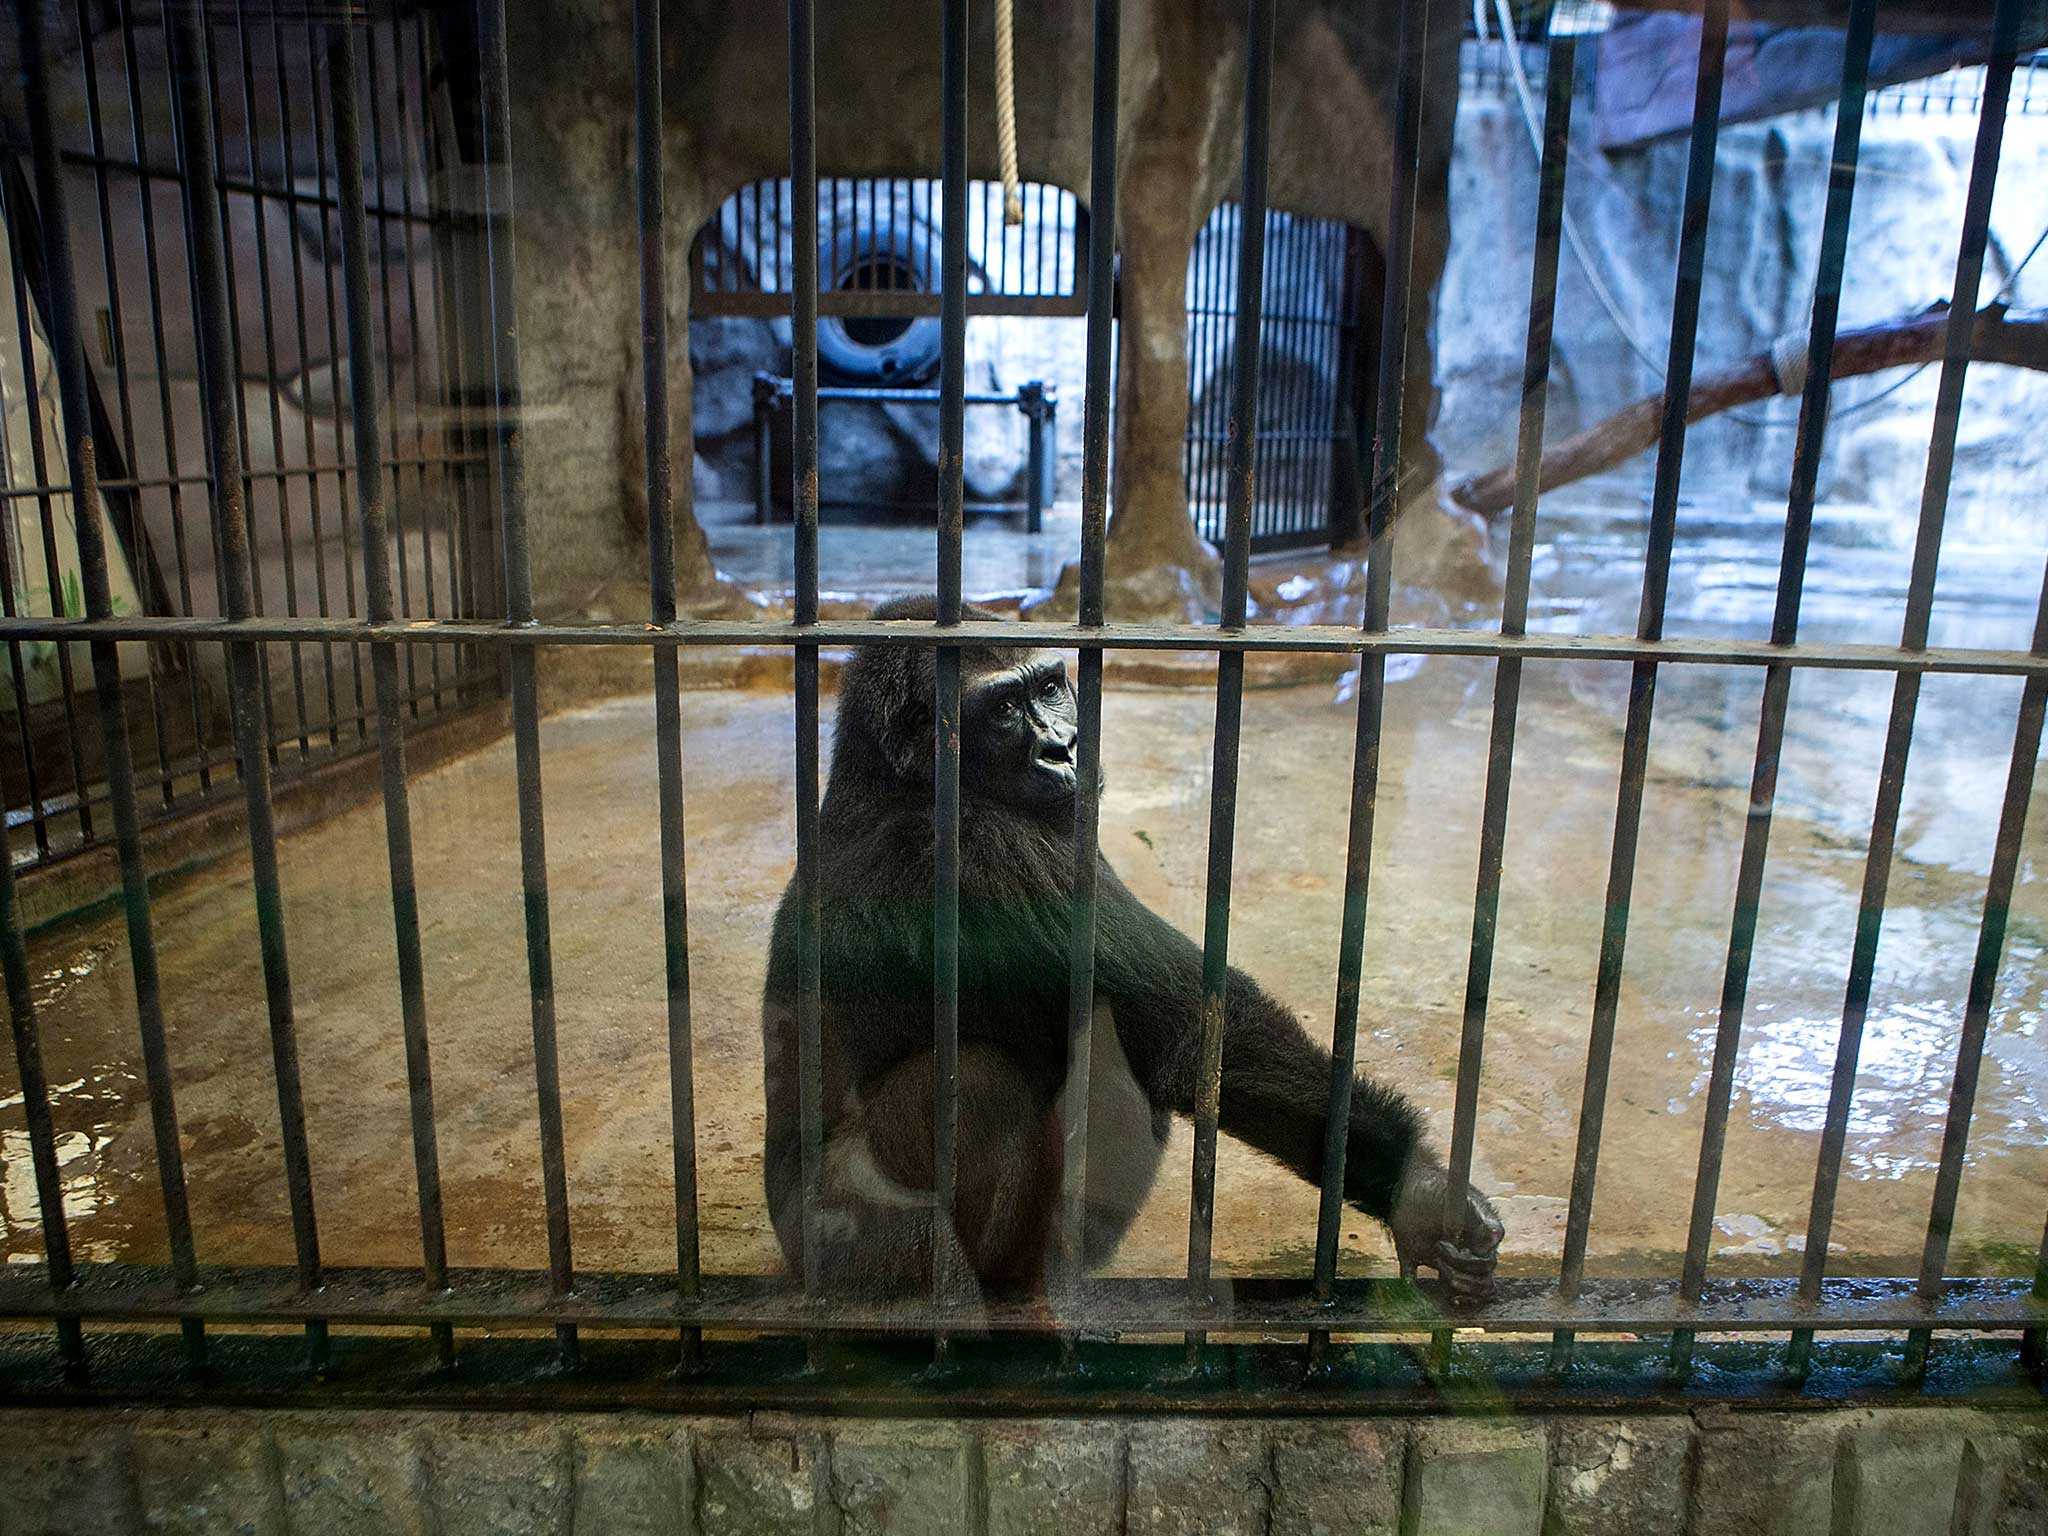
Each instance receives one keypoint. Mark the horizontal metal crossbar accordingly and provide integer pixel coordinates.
(498, 1298)
(1265, 639)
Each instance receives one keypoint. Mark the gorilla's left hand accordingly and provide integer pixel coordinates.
(1463, 1253)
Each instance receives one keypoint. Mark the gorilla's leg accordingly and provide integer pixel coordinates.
(874, 1203)
(1126, 1141)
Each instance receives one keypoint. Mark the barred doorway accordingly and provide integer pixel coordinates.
(1314, 385)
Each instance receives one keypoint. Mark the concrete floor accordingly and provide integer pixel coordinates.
(602, 839)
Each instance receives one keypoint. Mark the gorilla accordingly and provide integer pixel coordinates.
(1018, 766)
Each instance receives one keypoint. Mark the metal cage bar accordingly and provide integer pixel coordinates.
(1411, 49)
(192, 75)
(106, 667)
(533, 861)
(1560, 78)
(376, 537)
(1891, 779)
(1811, 431)
(1240, 491)
(1095, 421)
(661, 595)
(1692, 254)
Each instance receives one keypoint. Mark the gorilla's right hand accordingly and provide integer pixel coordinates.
(1464, 1252)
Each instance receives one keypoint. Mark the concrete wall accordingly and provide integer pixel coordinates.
(1907, 1472)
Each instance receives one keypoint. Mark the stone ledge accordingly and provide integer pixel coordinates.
(1926, 1471)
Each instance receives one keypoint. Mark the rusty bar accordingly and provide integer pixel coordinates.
(249, 699)
(661, 577)
(803, 191)
(501, 243)
(376, 534)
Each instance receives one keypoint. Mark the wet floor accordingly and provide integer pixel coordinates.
(603, 846)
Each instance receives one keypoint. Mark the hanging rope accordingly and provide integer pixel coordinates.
(1006, 116)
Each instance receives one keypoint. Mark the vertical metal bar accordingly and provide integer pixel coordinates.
(1891, 778)
(1102, 148)
(533, 862)
(118, 334)
(327, 266)
(661, 575)
(1776, 691)
(250, 706)
(233, 335)
(280, 484)
(287, 146)
(18, 675)
(17, 220)
(138, 139)
(1243, 447)
(406, 144)
(1692, 250)
(375, 82)
(405, 917)
(1507, 682)
(946, 744)
(803, 193)
(1412, 50)
(106, 665)
(35, 1105)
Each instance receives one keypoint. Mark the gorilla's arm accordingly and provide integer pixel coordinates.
(1276, 1080)
(1276, 1088)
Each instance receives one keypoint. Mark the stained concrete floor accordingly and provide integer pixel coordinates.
(602, 840)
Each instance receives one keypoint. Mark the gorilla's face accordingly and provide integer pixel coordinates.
(1019, 733)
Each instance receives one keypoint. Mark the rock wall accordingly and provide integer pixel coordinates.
(1763, 242)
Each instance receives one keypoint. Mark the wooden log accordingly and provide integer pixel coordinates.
(2018, 340)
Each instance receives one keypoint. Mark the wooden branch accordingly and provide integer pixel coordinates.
(2017, 340)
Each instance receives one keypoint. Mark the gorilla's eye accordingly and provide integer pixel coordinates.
(1006, 709)
(1050, 688)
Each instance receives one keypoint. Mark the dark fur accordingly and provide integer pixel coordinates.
(875, 867)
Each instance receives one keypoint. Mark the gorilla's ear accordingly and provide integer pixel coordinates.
(903, 722)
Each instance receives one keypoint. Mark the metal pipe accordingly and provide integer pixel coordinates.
(501, 243)
(661, 576)
(106, 663)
